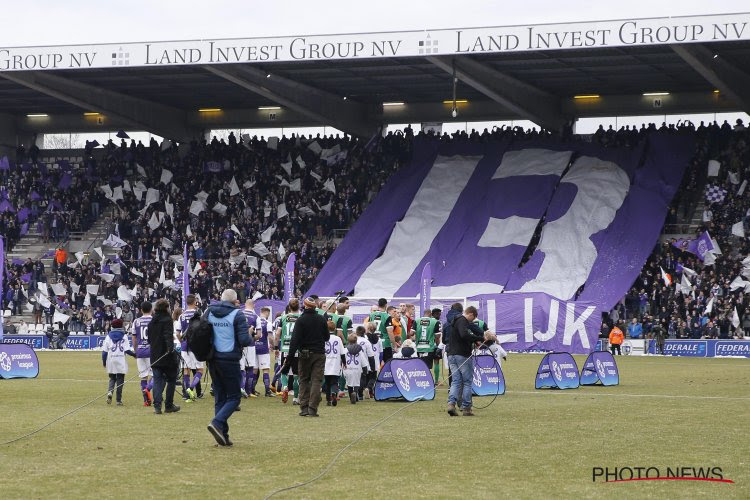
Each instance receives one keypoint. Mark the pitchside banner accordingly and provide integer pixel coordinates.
(409, 378)
(536, 321)
(703, 348)
(18, 361)
(600, 366)
(558, 370)
(488, 378)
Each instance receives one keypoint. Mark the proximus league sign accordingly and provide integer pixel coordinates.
(588, 34)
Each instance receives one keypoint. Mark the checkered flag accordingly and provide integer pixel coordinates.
(715, 194)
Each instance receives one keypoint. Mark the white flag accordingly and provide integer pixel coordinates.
(295, 185)
(92, 289)
(287, 168)
(738, 229)
(154, 221)
(685, 286)
(99, 251)
(307, 210)
(152, 196)
(273, 143)
(202, 196)
(257, 295)
(197, 267)
(281, 211)
(79, 256)
(58, 289)
(107, 190)
(108, 277)
(738, 283)
(141, 170)
(124, 294)
(59, 317)
(75, 288)
(248, 184)
(136, 272)
(220, 208)
(117, 194)
(126, 185)
(710, 306)
(261, 249)
(667, 279)
(169, 207)
(329, 186)
(300, 161)
(114, 241)
(688, 271)
(316, 176)
(166, 176)
(234, 189)
(236, 230)
(166, 144)
(713, 168)
(43, 301)
(265, 236)
(315, 147)
(252, 262)
(196, 207)
(166, 242)
(735, 318)
(265, 267)
(115, 268)
(138, 192)
(715, 244)
(162, 275)
(734, 178)
(282, 252)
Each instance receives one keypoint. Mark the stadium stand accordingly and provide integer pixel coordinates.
(296, 194)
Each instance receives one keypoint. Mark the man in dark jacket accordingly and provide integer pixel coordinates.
(164, 358)
(230, 336)
(460, 362)
(309, 338)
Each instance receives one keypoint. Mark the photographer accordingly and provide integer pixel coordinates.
(459, 360)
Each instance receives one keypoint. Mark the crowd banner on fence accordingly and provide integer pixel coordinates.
(600, 366)
(558, 370)
(703, 348)
(408, 378)
(18, 361)
(488, 377)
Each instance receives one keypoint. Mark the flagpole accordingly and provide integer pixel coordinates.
(185, 277)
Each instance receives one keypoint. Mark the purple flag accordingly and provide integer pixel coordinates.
(23, 214)
(4, 163)
(35, 196)
(5, 206)
(289, 278)
(24, 228)
(16, 262)
(424, 290)
(2, 274)
(698, 246)
(65, 181)
(26, 277)
(185, 276)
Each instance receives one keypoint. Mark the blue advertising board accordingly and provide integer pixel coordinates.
(18, 360)
(703, 348)
(76, 342)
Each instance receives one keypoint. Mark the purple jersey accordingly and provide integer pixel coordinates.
(261, 345)
(251, 317)
(142, 347)
(184, 322)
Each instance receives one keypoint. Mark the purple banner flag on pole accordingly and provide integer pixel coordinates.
(2, 274)
(65, 181)
(4, 163)
(289, 278)
(185, 276)
(698, 246)
(424, 290)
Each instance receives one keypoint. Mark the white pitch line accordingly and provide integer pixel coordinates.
(668, 396)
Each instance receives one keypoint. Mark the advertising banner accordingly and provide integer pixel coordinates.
(18, 361)
(558, 370)
(703, 348)
(600, 366)
(488, 378)
(405, 378)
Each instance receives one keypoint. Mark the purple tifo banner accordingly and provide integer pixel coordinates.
(471, 210)
(538, 322)
(18, 361)
(558, 370)
(600, 366)
(409, 378)
(488, 378)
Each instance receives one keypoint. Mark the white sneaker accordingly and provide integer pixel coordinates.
(295, 401)
(244, 393)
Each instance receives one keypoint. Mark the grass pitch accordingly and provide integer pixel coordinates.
(667, 412)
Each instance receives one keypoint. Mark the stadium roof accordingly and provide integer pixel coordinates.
(348, 93)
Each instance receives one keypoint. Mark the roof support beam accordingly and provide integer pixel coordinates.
(719, 72)
(323, 107)
(515, 95)
(138, 113)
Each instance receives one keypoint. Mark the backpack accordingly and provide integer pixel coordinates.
(200, 338)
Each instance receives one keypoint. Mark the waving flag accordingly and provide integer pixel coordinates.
(185, 276)
(667, 278)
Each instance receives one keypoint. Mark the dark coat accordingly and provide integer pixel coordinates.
(310, 333)
(161, 338)
(462, 339)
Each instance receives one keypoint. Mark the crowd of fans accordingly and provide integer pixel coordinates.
(320, 192)
(707, 310)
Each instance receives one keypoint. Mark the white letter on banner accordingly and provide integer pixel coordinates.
(573, 325)
(528, 316)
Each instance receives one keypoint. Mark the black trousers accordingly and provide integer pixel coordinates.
(116, 379)
(612, 348)
(331, 386)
